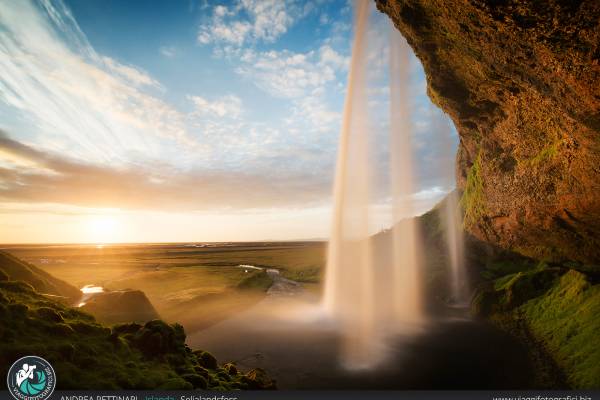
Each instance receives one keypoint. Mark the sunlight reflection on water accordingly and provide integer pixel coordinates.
(89, 289)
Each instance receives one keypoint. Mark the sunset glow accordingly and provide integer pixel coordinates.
(165, 120)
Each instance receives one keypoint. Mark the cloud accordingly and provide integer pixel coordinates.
(161, 187)
(229, 106)
(130, 73)
(93, 105)
(313, 109)
(168, 51)
(288, 74)
(251, 21)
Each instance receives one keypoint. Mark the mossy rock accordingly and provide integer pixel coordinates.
(157, 338)
(230, 368)
(206, 359)
(126, 328)
(259, 380)
(513, 290)
(176, 384)
(203, 372)
(526, 286)
(199, 382)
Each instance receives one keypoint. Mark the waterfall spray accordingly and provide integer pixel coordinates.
(364, 308)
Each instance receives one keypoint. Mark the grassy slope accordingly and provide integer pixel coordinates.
(558, 308)
(41, 280)
(566, 319)
(88, 355)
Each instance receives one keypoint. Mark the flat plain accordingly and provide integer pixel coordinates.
(195, 284)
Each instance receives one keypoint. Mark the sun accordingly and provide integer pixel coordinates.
(102, 229)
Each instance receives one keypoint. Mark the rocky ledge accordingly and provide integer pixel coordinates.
(521, 81)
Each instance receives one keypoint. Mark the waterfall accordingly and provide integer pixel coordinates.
(451, 216)
(348, 282)
(366, 304)
(407, 293)
(459, 290)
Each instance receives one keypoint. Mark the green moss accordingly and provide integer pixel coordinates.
(510, 291)
(538, 251)
(566, 320)
(473, 200)
(546, 153)
(558, 307)
(501, 268)
(87, 355)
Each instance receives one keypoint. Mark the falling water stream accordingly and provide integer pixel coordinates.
(459, 290)
(367, 309)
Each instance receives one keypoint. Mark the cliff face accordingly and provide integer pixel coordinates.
(521, 81)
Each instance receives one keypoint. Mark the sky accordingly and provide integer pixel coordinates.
(179, 121)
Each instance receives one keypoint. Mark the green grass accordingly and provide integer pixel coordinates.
(501, 268)
(567, 320)
(559, 308)
(88, 355)
(473, 200)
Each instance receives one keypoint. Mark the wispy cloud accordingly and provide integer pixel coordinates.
(57, 179)
(78, 99)
(229, 106)
(251, 21)
(168, 51)
(129, 73)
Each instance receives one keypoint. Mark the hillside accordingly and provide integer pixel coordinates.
(88, 355)
(41, 281)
